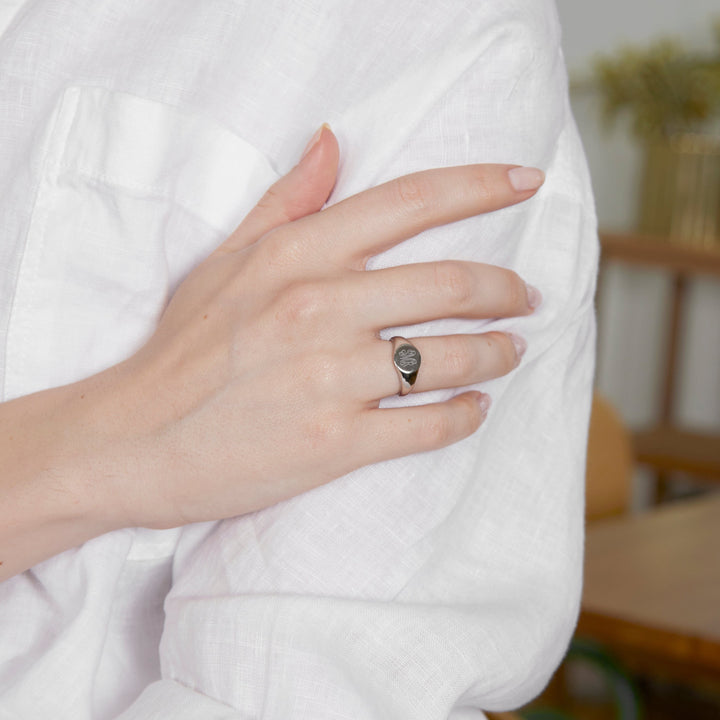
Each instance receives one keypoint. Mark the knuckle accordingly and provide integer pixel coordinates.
(469, 416)
(301, 304)
(281, 248)
(459, 361)
(514, 290)
(503, 353)
(415, 194)
(437, 429)
(454, 279)
(275, 204)
(325, 429)
(473, 416)
(324, 373)
(485, 190)
(509, 353)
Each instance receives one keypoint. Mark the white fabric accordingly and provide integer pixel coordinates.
(133, 137)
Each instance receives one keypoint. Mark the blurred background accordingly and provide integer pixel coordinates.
(645, 90)
(634, 302)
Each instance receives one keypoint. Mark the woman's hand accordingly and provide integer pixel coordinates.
(264, 376)
(265, 373)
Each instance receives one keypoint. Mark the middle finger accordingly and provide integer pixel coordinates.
(410, 294)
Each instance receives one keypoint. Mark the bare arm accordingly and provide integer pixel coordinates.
(62, 450)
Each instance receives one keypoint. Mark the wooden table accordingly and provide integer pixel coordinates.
(652, 588)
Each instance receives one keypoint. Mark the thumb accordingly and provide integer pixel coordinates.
(303, 191)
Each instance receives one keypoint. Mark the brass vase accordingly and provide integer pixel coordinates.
(680, 198)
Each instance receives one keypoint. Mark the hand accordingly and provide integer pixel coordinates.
(264, 376)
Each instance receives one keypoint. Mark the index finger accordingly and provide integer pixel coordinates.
(355, 229)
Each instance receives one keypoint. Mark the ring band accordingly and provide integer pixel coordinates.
(406, 359)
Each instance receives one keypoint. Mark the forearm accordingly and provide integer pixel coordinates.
(60, 451)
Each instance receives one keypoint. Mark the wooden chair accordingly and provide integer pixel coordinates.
(609, 463)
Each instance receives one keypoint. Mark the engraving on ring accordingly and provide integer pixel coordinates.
(407, 359)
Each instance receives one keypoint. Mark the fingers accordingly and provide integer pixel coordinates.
(303, 191)
(364, 225)
(410, 294)
(397, 432)
(447, 361)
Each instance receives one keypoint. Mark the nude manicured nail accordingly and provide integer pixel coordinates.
(534, 296)
(526, 178)
(484, 401)
(314, 140)
(520, 346)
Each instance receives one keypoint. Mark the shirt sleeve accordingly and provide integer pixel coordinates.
(442, 584)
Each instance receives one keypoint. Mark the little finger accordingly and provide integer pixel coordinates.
(396, 432)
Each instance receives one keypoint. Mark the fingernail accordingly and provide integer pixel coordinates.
(520, 346)
(534, 296)
(526, 178)
(484, 401)
(314, 140)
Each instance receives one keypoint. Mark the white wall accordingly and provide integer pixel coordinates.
(633, 303)
(598, 25)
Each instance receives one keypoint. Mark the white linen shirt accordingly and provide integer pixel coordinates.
(134, 137)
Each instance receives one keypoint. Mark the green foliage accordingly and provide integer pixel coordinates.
(665, 88)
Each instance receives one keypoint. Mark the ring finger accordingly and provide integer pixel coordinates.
(447, 361)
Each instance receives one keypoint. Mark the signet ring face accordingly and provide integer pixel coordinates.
(406, 359)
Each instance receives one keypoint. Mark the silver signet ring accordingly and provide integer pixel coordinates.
(406, 359)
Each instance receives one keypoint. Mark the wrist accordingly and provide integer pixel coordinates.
(62, 453)
(100, 453)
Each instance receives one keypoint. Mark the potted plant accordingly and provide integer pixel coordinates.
(673, 99)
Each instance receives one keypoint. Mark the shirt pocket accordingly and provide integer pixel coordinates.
(132, 194)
